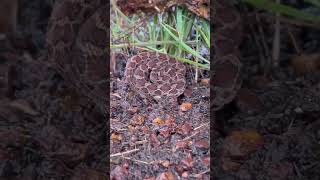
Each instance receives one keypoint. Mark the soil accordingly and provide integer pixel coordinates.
(148, 139)
(47, 130)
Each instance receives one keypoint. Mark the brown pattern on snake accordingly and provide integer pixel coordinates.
(156, 75)
(226, 80)
(77, 37)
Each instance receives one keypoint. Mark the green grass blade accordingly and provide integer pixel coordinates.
(183, 45)
(314, 2)
(283, 9)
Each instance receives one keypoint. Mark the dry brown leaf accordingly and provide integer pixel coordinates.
(133, 110)
(202, 144)
(131, 128)
(166, 132)
(170, 121)
(154, 139)
(184, 129)
(166, 176)
(165, 163)
(185, 106)
(188, 161)
(116, 136)
(185, 174)
(158, 121)
(145, 129)
(240, 144)
(305, 63)
(137, 120)
(182, 144)
(199, 7)
(251, 137)
(206, 161)
(150, 178)
(188, 92)
(205, 82)
(130, 94)
(119, 173)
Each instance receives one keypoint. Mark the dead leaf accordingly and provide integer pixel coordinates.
(185, 106)
(150, 178)
(241, 143)
(170, 121)
(184, 129)
(158, 121)
(181, 144)
(306, 63)
(166, 176)
(205, 82)
(249, 137)
(130, 94)
(166, 132)
(206, 161)
(187, 92)
(202, 144)
(133, 110)
(137, 120)
(188, 161)
(116, 136)
(165, 163)
(119, 173)
(185, 174)
(154, 139)
(145, 129)
(179, 169)
(131, 128)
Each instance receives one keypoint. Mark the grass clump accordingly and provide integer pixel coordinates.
(177, 32)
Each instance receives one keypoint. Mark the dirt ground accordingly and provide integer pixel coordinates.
(271, 130)
(272, 127)
(150, 139)
(47, 130)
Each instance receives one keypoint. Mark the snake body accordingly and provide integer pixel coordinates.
(156, 75)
